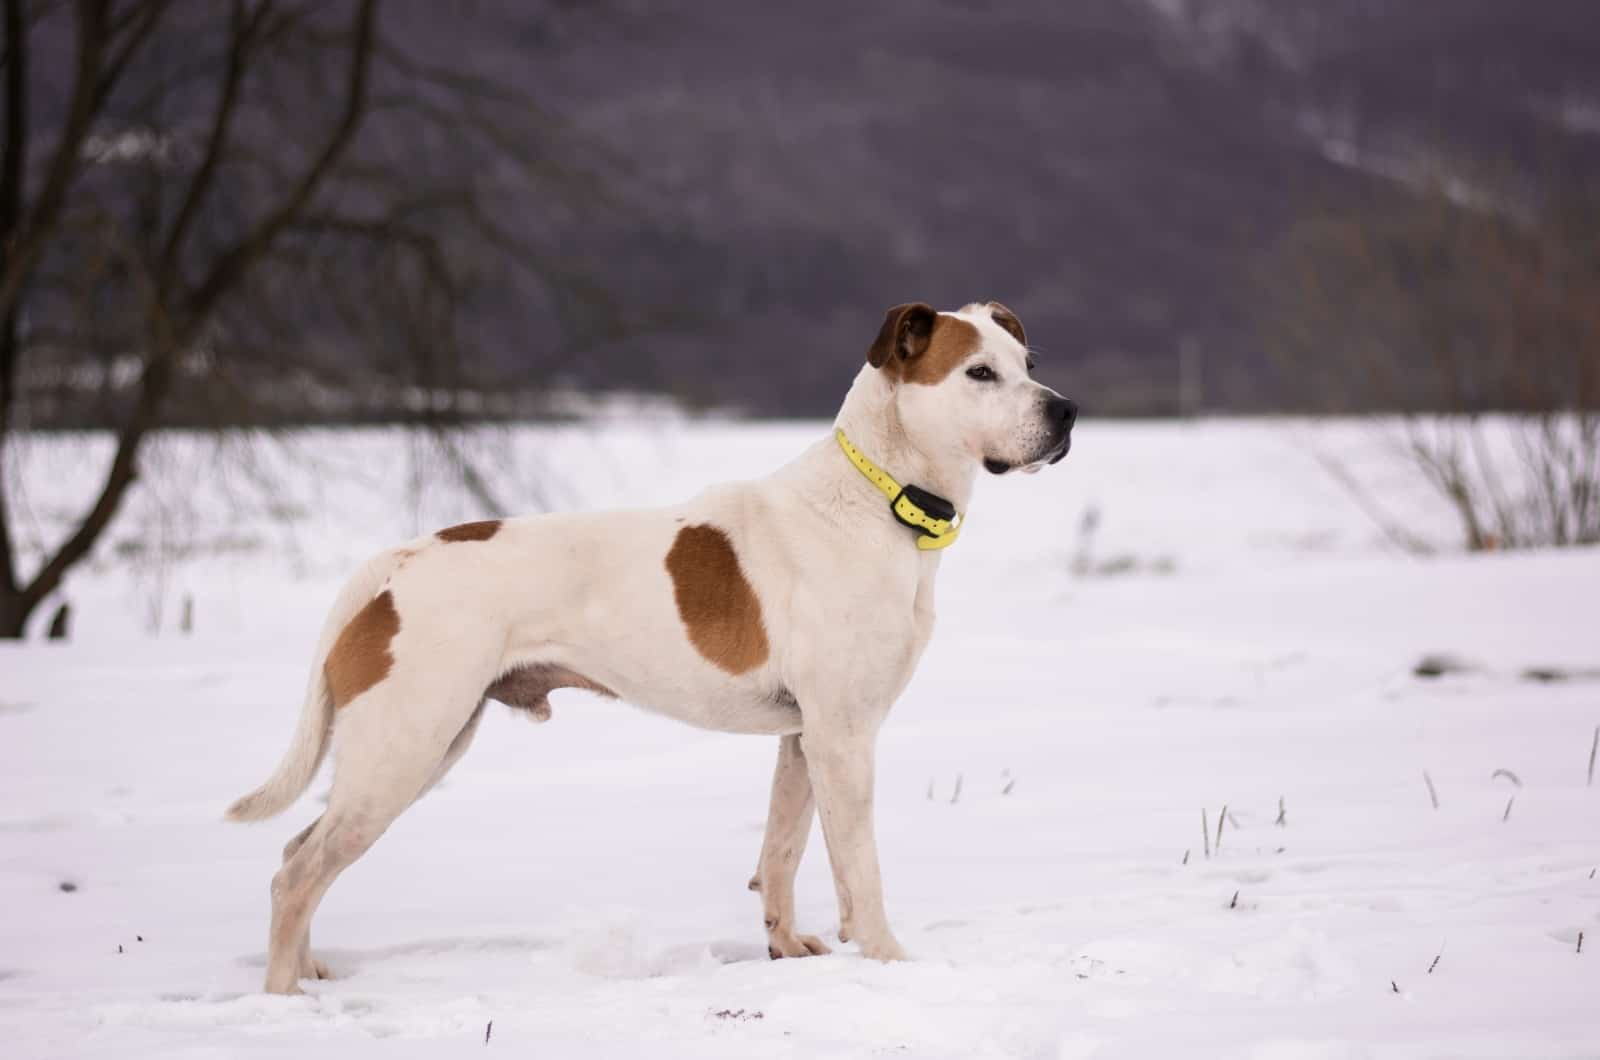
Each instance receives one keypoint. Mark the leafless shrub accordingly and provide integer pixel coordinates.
(1447, 314)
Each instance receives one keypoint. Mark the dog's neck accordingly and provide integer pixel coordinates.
(870, 419)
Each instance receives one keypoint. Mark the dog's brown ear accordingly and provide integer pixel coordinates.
(906, 332)
(1008, 320)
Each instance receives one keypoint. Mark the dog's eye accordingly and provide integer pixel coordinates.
(981, 372)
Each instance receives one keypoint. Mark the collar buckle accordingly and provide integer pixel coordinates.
(927, 513)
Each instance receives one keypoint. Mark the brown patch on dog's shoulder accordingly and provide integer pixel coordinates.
(529, 687)
(953, 341)
(482, 530)
(718, 607)
(361, 657)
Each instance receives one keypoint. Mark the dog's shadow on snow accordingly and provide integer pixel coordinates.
(343, 961)
(727, 951)
(629, 963)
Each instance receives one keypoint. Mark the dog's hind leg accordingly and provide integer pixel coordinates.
(376, 777)
(788, 827)
(339, 839)
(299, 840)
(308, 967)
(457, 748)
(452, 755)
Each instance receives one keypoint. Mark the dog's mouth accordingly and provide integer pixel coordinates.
(1053, 455)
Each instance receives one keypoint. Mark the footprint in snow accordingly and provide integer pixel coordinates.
(946, 925)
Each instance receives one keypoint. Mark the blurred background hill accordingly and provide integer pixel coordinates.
(736, 191)
(1109, 168)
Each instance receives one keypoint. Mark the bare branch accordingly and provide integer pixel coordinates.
(119, 477)
(154, 382)
(12, 178)
(243, 29)
(232, 264)
(134, 27)
(26, 240)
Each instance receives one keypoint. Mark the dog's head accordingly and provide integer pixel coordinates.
(961, 380)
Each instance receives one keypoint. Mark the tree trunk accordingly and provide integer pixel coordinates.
(14, 612)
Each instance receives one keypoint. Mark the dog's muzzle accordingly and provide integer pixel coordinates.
(1061, 413)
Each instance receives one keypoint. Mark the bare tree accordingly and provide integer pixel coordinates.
(1472, 321)
(232, 200)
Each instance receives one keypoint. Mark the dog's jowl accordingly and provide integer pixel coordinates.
(795, 605)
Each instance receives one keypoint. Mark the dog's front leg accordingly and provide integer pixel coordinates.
(788, 827)
(841, 767)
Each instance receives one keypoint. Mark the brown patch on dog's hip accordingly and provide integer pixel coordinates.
(718, 607)
(361, 656)
(482, 530)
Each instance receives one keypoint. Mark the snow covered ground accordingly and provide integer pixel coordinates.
(1236, 633)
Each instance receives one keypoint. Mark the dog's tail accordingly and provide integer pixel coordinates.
(309, 746)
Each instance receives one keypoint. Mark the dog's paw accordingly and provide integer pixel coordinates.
(788, 945)
(311, 968)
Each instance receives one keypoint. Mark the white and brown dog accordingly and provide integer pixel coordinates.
(796, 605)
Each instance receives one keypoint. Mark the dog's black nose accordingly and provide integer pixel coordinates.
(1063, 409)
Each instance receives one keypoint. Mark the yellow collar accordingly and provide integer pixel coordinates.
(909, 503)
